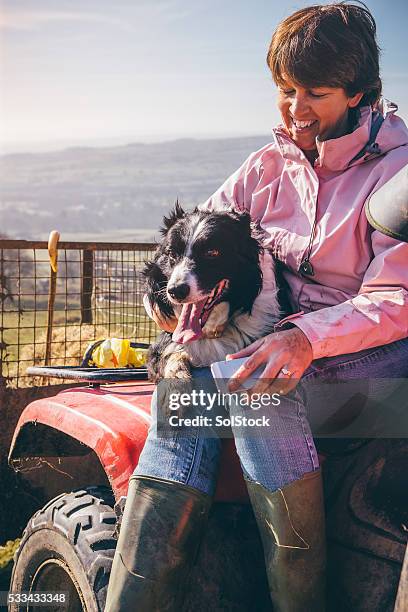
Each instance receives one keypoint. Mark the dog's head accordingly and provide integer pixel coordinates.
(207, 257)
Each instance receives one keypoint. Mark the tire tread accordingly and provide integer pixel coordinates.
(87, 520)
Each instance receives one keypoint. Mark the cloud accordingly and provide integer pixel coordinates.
(33, 20)
(28, 19)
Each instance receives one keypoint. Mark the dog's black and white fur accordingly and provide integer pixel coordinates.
(215, 256)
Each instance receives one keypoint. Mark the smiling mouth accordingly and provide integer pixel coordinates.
(302, 126)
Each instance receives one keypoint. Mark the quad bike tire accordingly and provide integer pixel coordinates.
(68, 546)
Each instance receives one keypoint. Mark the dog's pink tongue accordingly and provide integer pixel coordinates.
(188, 327)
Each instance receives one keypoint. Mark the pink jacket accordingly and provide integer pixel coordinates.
(358, 297)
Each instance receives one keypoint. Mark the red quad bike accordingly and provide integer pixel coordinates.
(84, 444)
(78, 449)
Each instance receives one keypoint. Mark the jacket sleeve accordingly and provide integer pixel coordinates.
(377, 315)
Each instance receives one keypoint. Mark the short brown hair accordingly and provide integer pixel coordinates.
(332, 45)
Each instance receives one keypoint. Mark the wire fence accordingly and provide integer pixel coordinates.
(49, 318)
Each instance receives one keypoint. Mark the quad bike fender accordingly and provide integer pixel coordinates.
(112, 421)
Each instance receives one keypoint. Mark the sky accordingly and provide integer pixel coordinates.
(103, 72)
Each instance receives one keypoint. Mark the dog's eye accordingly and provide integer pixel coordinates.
(212, 253)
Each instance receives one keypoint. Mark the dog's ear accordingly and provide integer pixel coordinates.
(251, 241)
(259, 234)
(252, 229)
(175, 215)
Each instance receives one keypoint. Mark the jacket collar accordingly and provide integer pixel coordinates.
(338, 153)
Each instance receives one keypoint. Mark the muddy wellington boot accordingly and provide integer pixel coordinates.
(159, 538)
(292, 529)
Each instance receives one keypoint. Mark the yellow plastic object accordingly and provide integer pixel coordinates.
(117, 353)
(7, 552)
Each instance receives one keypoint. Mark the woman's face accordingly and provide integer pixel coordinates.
(318, 111)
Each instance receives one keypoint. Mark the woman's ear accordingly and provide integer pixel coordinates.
(355, 100)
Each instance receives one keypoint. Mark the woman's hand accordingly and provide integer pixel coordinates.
(285, 354)
(167, 324)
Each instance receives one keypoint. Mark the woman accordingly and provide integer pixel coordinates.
(348, 290)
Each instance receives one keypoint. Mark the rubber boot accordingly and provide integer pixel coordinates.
(292, 529)
(159, 537)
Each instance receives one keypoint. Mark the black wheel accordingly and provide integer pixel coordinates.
(68, 546)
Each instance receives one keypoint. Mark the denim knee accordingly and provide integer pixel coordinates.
(281, 449)
(185, 455)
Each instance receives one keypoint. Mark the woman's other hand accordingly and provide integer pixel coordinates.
(167, 324)
(285, 354)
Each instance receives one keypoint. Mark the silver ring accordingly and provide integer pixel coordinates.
(286, 372)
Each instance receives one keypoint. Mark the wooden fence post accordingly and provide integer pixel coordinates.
(87, 285)
(53, 256)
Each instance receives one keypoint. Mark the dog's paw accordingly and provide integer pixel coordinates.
(177, 365)
(177, 378)
(217, 321)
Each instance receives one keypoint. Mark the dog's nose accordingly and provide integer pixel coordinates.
(179, 292)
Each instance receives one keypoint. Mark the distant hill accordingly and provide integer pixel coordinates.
(111, 191)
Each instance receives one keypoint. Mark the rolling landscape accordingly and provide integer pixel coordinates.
(109, 194)
(112, 193)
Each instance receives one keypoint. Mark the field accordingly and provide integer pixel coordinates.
(25, 336)
(98, 294)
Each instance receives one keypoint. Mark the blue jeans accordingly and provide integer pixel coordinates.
(284, 450)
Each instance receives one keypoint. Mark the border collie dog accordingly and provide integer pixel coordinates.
(213, 273)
